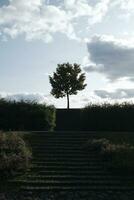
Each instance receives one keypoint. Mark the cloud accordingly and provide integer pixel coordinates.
(127, 5)
(111, 57)
(36, 97)
(34, 19)
(117, 94)
(41, 19)
(76, 101)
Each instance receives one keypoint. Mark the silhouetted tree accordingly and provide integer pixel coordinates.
(67, 80)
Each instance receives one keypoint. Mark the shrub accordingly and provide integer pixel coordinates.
(118, 156)
(50, 118)
(108, 117)
(68, 119)
(26, 116)
(14, 154)
(121, 156)
(97, 144)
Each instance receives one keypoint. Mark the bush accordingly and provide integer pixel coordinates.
(14, 154)
(108, 117)
(26, 116)
(121, 156)
(118, 156)
(68, 119)
(97, 144)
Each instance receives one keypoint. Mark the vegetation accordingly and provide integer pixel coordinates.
(119, 157)
(67, 80)
(14, 154)
(116, 117)
(68, 119)
(97, 117)
(26, 116)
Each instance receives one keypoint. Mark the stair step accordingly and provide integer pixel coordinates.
(77, 177)
(60, 142)
(60, 162)
(70, 168)
(63, 156)
(70, 163)
(77, 188)
(59, 146)
(66, 159)
(67, 182)
(60, 151)
(69, 172)
(62, 159)
(70, 153)
(59, 139)
(55, 150)
(79, 146)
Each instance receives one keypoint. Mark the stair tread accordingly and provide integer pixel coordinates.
(60, 162)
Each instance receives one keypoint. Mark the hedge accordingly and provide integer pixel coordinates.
(107, 117)
(26, 116)
(103, 117)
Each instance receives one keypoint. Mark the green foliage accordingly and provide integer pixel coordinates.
(68, 120)
(97, 144)
(97, 117)
(26, 116)
(119, 157)
(108, 117)
(14, 154)
(67, 80)
(50, 118)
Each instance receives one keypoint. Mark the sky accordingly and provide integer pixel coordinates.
(36, 35)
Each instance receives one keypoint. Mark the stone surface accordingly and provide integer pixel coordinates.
(69, 196)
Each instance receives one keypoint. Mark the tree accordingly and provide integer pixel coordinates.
(67, 80)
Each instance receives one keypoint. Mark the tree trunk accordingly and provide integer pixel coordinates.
(67, 101)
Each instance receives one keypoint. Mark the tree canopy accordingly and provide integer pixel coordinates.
(67, 80)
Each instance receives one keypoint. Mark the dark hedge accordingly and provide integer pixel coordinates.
(26, 116)
(68, 119)
(105, 117)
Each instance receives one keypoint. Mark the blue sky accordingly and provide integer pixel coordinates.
(36, 35)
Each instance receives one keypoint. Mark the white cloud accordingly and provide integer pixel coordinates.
(111, 57)
(76, 101)
(119, 94)
(34, 19)
(127, 5)
(37, 97)
(99, 11)
(40, 19)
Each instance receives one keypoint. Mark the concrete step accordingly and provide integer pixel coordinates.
(76, 188)
(77, 177)
(60, 163)
(65, 159)
(63, 183)
(67, 163)
(62, 156)
(71, 172)
(69, 168)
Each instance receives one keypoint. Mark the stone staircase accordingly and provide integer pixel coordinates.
(61, 164)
